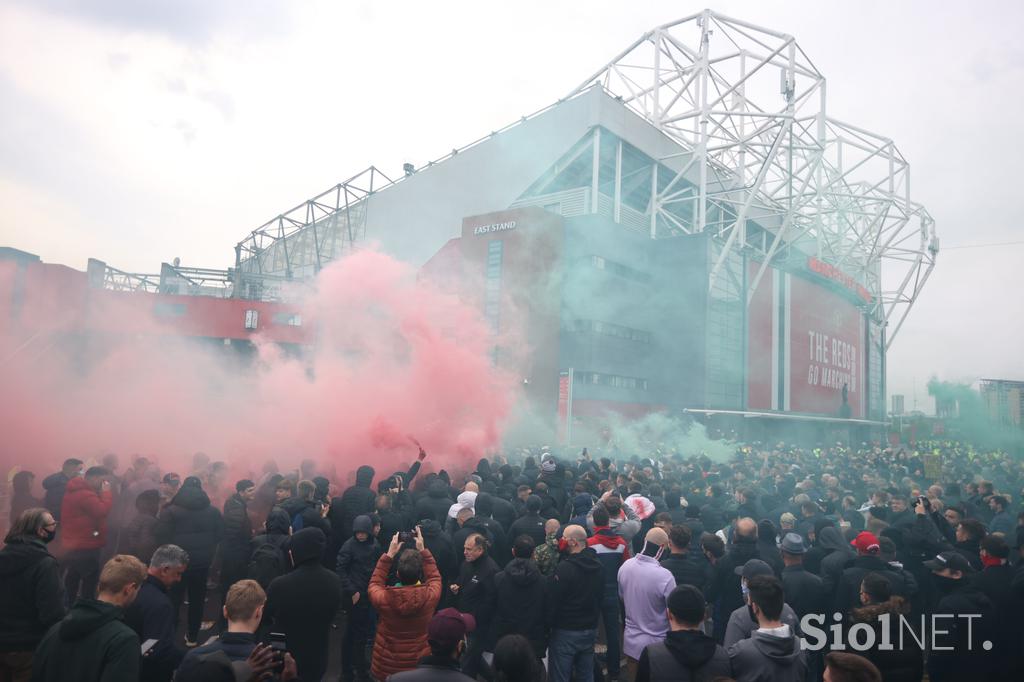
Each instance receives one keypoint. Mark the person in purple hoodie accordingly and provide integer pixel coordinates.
(645, 585)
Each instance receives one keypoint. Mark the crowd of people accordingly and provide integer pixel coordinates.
(782, 563)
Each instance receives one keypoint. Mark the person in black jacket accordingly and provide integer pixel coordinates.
(306, 512)
(804, 591)
(500, 550)
(234, 548)
(138, 537)
(531, 523)
(302, 604)
(56, 484)
(152, 614)
(520, 591)
(725, 589)
(867, 561)
(573, 601)
(903, 662)
(355, 563)
(474, 594)
(957, 652)
(31, 591)
(441, 548)
(192, 524)
(268, 551)
(435, 503)
(357, 500)
(92, 643)
(996, 583)
(687, 653)
(468, 524)
(681, 565)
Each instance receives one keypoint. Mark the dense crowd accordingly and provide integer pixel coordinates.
(537, 564)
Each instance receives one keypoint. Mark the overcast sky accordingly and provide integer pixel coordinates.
(138, 131)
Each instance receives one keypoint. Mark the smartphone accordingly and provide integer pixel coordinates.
(278, 642)
(147, 645)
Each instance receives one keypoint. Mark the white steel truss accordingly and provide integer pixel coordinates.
(766, 170)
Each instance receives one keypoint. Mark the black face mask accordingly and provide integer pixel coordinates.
(48, 535)
(944, 584)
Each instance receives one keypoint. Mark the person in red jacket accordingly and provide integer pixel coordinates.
(84, 512)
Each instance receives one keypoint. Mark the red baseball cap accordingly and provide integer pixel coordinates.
(865, 543)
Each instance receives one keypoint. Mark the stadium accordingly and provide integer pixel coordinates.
(688, 231)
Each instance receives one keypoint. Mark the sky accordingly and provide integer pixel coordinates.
(137, 132)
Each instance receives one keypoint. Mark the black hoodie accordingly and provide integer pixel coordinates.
(357, 559)
(435, 504)
(31, 593)
(574, 593)
(519, 610)
(192, 524)
(355, 501)
(684, 655)
(91, 643)
(437, 542)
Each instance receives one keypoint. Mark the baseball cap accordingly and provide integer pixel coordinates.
(865, 543)
(792, 544)
(448, 626)
(952, 560)
(753, 567)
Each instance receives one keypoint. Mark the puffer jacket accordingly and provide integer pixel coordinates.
(905, 663)
(403, 615)
(192, 524)
(31, 593)
(84, 515)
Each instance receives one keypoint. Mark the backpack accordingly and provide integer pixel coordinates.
(267, 562)
(297, 522)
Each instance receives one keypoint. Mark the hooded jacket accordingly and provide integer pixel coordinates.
(742, 623)
(91, 643)
(847, 594)
(956, 654)
(84, 515)
(31, 593)
(689, 568)
(612, 551)
(519, 608)
(532, 524)
(237, 531)
(905, 662)
(435, 503)
(357, 559)
(685, 655)
(355, 501)
(574, 594)
(404, 613)
(190, 522)
(644, 585)
(832, 565)
(767, 658)
(440, 546)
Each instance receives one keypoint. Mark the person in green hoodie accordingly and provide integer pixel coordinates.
(92, 643)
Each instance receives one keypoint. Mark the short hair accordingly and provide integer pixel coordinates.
(523, 547)
(243, 599)
(464, 513)
(28, 523)
(974, 529)
(663, 517)
(523, 489)
(122, 570)
(169, 556)
(244, 485)
(514, 660)
(686, 604)
(71, 462)
(410, 566)
(1000, 500)
(600, 516)
(306, 490)
(479, 541)
(713, 545)
(810, 507)
(844, 667)
(877, 586)
(996, 546)
(766, 592)
(680, 536)
(94, 472)
(286, 484)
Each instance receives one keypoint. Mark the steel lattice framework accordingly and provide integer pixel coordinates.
(749, 107)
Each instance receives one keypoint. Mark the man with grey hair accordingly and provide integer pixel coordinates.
(152, 615)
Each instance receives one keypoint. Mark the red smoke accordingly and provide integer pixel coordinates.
(393, 360)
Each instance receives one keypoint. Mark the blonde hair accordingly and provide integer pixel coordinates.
(243, 598)
(122, 570)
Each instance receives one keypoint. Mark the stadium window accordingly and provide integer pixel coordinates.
(163, 309)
